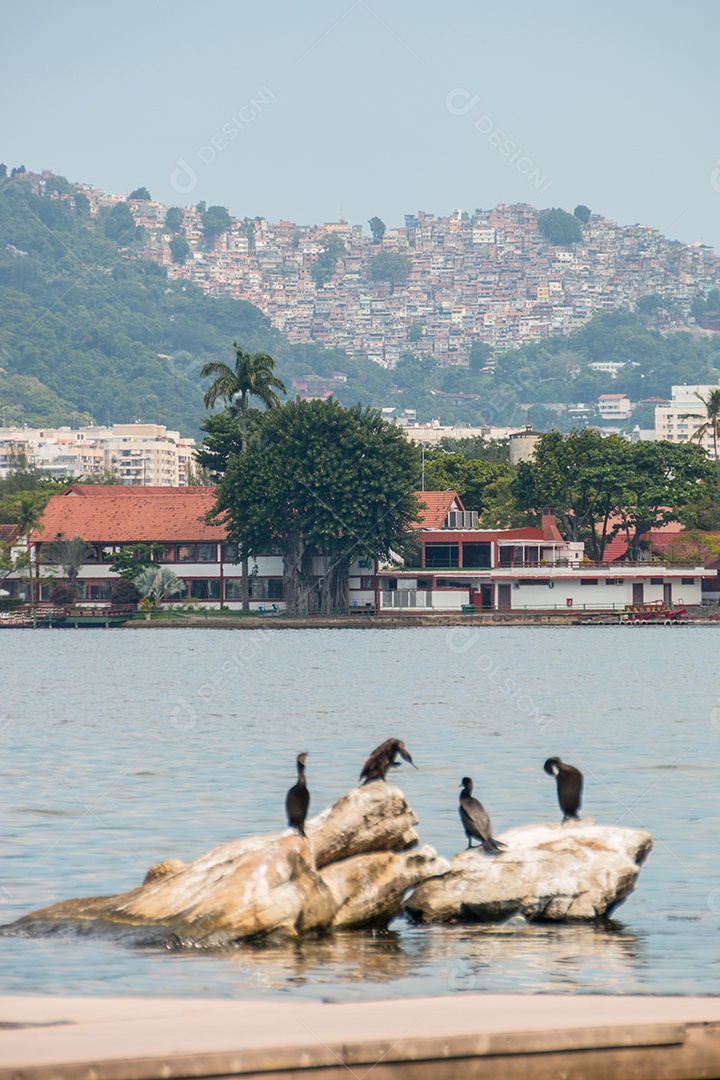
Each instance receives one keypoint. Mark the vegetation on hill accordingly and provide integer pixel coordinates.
(89, 329)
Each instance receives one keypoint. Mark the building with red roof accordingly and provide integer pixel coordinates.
(452, 564)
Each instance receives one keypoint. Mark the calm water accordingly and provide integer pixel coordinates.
(122, 748)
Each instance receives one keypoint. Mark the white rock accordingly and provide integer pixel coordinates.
(575, 871)
(369, 889)
(271, 884)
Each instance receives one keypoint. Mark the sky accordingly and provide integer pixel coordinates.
(304, 111)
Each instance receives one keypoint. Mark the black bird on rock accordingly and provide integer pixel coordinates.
(383, 758)
(298, 799)
(569, 786)
(475, 820)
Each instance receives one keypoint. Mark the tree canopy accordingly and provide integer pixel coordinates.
(377, 229)
(215, 221)
(559, 227)
(582, 213)
(174, 219)
(141, 194)
(322, 481)
(599, 486)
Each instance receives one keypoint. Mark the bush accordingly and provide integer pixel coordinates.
(124, 592)
(62, 593)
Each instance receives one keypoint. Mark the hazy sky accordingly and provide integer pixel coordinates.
(380, 107)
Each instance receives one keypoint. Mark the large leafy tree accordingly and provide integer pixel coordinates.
(252, 376)
(322, 482)
(659, 479)
(581, 477)
(559, 227)
(377, 228)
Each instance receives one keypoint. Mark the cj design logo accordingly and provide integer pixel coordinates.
(183, 717)
(183, 179)
(715, 177)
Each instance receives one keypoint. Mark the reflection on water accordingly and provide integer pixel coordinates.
(100, 780)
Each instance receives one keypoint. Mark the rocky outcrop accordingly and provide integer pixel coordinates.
(353, 869)
(556, 872)
(356, 867)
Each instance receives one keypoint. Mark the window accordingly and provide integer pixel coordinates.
(90, 590)
(260, 588)
(367, 582)
(656, 581)
(589, 581)
(688, 580)
(424, 583)
(230, 553)
(168, 553)
(442, 556)
(535, 581)
(205, 552)
(477, 556)
(208, 589)
(185, 553)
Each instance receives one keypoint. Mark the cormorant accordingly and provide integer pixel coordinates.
(476, 821)
(298, 799)
(383, 758)
(569, 786)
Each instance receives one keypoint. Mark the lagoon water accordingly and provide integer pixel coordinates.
(121, 748)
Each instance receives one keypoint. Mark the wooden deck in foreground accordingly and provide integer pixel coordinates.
(463, 1035)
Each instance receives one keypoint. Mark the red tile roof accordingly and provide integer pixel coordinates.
(7, 533)
(102, 490)
(124, 515)
(437, 505)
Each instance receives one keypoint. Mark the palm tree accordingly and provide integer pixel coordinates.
(712, 411)
(29, 520)
(158, 583)
(252, 377)
(70, 555)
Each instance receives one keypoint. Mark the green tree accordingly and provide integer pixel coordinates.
(70, 555)
(582, 477)
(692, 549)
(251, 377)
(377, 228)
(174, 219)
(659, 480)
(82, 203)
(582, 213)
(325, 483)
(712, 424)
(201, 207)
(223, 440)
(470, 477)
(560, 228)
(141, 194)
(118, 223)
(415, 332)
(132, 559)
(333, 249)
(215, 221)
(124, 592)
(390, 266)
(179, 249)
(480, 353)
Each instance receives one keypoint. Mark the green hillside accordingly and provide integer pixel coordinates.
(90, 329)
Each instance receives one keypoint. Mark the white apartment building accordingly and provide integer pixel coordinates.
(614, 406)
(139, 454)
(680, 419)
